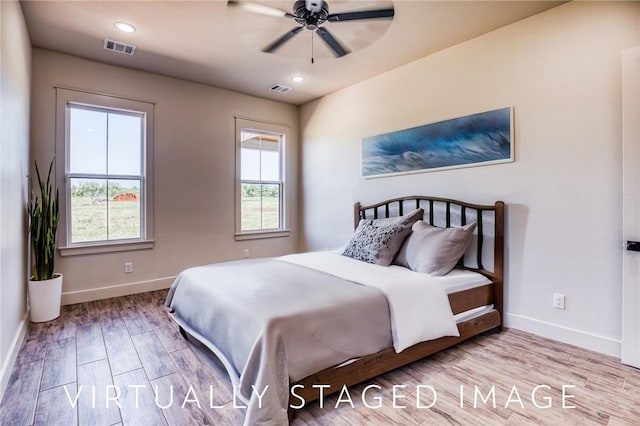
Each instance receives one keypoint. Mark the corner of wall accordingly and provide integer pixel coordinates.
(15, 96)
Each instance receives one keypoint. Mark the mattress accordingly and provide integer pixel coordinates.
(460, 279)
(456, 280)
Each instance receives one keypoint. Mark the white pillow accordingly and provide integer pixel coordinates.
(434, 250)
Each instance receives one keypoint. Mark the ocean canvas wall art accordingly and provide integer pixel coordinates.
(477, 139)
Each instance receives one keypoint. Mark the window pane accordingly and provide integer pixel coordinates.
(270, 165)
(125, 140)
(270, 206)
(247, 134)
(124, 209)
(87, 141)
(88, 210)
(260, 207)
(250, 164)
(250, 207)
(260, 156)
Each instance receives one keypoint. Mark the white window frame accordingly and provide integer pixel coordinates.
(66, 97)
(245, 124)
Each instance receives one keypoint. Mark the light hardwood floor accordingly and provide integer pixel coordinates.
(129, 345)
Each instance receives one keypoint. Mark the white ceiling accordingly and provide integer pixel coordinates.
(211, 43)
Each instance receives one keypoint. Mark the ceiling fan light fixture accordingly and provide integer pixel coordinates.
(124, 27)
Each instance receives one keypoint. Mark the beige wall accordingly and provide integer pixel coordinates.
(561, 71)
(194, 169)
(15, 88)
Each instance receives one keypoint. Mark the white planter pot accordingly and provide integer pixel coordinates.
(44, 298)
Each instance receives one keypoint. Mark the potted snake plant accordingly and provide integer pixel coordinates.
(45, 286)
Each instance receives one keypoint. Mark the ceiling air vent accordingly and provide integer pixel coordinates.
(280, 88)
(116, 46)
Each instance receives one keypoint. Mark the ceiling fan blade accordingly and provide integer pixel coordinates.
(259, 8)
(331, 42)
(364, 14)
(279, 42)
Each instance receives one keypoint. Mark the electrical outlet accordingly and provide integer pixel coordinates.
(558, 301)
(246, 253)
(128, 267)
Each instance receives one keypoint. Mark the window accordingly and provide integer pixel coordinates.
(106, 151)
(261, 185)
(260, 180)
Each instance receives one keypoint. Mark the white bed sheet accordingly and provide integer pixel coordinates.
(460, 279)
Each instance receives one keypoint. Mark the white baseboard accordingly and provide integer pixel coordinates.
(90, 295)
(594, 342)
(10, 360)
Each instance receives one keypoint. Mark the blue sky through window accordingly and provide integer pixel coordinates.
(104, 142)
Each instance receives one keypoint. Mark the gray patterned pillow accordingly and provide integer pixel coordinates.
(378, 240)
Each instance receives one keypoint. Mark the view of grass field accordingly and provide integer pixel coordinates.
(260, 213)
(89, 219)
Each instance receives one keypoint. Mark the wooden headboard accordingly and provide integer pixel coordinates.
(444, 212)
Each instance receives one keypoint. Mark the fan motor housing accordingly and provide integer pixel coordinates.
(311, 19)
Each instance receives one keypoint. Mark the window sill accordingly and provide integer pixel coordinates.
(94, 248)
(256, 235)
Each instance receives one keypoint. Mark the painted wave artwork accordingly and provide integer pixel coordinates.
(460, 142)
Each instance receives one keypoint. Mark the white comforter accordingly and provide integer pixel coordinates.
(418, 303)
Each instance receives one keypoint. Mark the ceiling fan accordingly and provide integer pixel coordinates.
(311, 14)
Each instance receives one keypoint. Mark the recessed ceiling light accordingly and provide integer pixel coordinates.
(124, 27)
(297, 78)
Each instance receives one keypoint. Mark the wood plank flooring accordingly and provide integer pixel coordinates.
(122, 362)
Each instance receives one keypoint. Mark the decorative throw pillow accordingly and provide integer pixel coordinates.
(409, 218)
(434, 250)
(377, 241)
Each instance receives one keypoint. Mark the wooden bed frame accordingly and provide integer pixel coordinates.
(373, 365)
